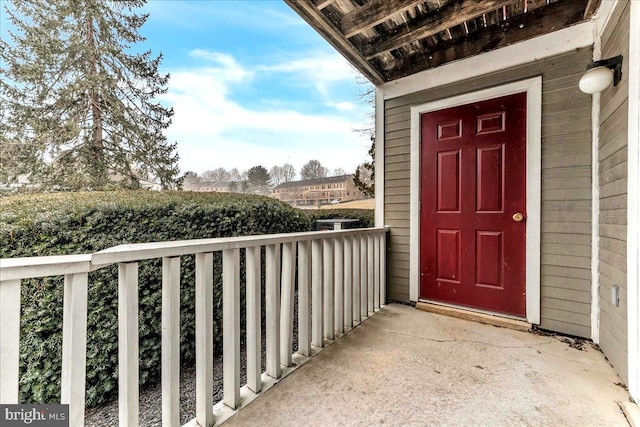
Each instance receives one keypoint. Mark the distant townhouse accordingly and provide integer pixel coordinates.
(335, 189)
(210, 186)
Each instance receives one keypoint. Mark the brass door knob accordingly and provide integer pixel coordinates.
(517, 217)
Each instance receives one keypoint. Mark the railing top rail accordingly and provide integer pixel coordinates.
(32, 267)
(141, 251)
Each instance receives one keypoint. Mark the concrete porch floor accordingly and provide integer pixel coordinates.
(408, 367)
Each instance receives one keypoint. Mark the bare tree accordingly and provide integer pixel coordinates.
(216, 175)
(364, 176)
(313, 169)
(277, 175)
(289, 172)
(234, 175)
(339, 172)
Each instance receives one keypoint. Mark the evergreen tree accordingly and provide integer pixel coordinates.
(259, 179)
(78, 105)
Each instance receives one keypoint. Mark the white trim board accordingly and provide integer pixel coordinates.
(633, 206)
(379, 164)
(533, 88)
(595, 205)
(525, 52)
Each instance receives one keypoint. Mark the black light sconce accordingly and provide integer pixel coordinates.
(600, 75)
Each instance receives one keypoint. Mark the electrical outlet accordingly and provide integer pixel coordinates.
(615, 295)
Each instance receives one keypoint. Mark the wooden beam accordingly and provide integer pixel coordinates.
(334, 36)
(554, 16)
(324, 3)
(592, 6)
(372, 14)
(433, 22)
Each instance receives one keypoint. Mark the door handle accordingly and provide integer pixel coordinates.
(517, 217)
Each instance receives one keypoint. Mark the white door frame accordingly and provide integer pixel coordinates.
(533, 88)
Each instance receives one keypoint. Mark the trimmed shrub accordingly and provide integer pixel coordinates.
(75, 223)
(365, 217)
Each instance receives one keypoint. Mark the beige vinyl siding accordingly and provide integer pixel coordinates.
(566, 185)
(612, 154)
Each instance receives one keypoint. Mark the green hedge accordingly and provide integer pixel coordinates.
(364, 216)
(73, 223)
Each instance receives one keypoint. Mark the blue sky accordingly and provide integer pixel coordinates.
(252, 83)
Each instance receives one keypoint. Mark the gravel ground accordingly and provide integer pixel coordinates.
(151, 397)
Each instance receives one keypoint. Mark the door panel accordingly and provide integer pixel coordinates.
(448, 171)
(473, 171)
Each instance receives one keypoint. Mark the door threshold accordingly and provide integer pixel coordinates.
(474, 316)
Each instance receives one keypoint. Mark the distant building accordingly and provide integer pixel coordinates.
(335, 189)
(219, 187)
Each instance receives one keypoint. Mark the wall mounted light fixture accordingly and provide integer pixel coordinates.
(600, 75)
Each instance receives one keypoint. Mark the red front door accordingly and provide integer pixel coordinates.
(473, 188)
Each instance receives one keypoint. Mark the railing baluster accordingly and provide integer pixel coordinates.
(288, 285)
(128, 397)
(317, 333)
(170, 341)
(364, 273)
(9, 340)
(376, 273)
(370, 274)
(204, 339)
(356, 280)
(273, 309)
(339, 284)
(254, 319)
(348, 282)
(74, 346)
(304, 302)
(231, 326)
(327, 248)
(383, 268)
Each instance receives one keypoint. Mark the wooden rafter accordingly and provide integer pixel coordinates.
(537, 22)
(333, 35)
(323, 3)
(372, 14)
(451, 14)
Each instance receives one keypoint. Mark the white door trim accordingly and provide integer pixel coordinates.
(633, 207)
(533, 88)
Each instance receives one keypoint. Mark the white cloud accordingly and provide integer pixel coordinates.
(321, 69)
(213, 130)
(341, 106)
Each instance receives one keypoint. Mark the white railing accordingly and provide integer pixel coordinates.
(340, 278)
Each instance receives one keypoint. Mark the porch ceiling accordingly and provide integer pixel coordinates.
(390, 39)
